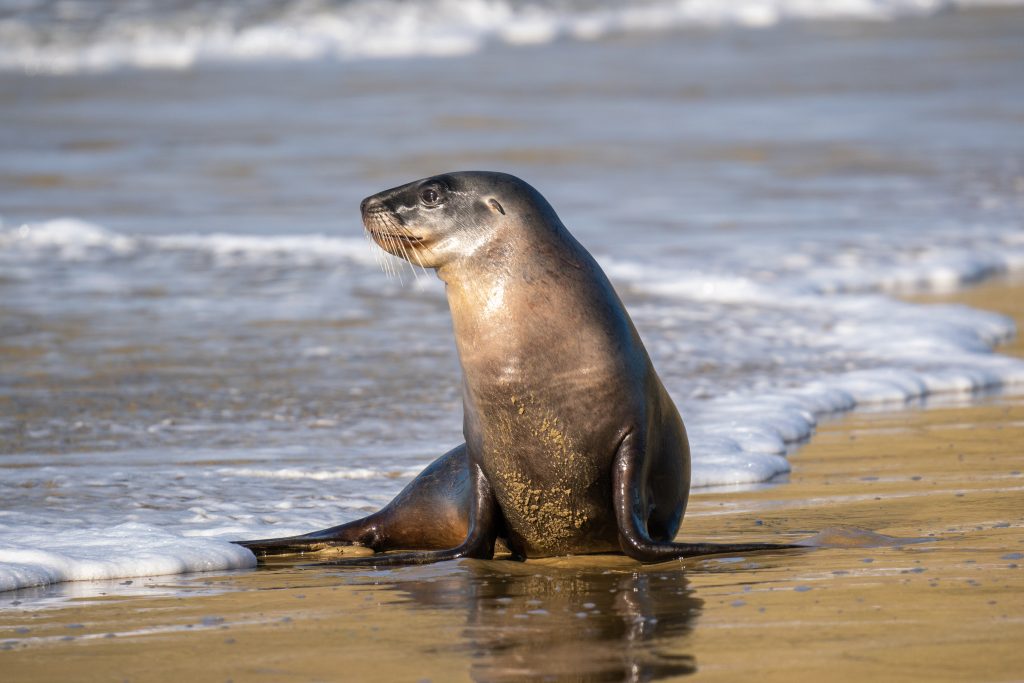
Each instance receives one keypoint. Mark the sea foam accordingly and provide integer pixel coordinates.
(35, 557)
(41, 37)
(73, 239)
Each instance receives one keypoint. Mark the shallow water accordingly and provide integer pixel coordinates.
(197, 338)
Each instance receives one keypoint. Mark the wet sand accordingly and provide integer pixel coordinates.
(947, 608)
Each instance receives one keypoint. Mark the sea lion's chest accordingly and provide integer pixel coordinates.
(552, 378)
(550, 472)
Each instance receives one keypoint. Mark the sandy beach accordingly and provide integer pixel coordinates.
(942, 604)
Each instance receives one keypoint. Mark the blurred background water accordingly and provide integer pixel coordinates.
(197, 341)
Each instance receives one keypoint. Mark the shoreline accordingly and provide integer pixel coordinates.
(947, 608)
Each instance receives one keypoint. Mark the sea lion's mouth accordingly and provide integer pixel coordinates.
(387, 236)
(386, 228)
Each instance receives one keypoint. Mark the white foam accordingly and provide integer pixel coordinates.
(826, 306)
(357, 473)
(299, 31)
(70, 239)
(37, 557)
(73, 239)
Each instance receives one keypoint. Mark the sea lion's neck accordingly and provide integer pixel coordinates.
(500, 294)
(490, 309)
(542, 299)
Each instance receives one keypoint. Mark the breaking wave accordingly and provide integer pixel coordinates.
(68, 37)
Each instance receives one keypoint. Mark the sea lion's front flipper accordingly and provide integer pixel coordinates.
(630, 500)
(432, 512)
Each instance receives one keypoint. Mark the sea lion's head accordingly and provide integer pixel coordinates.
(444, 218)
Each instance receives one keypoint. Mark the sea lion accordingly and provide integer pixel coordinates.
(572, 443)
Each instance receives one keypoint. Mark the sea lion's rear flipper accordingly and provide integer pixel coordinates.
(629, 499)
(484, 521)
(342, 535)
(432, 512)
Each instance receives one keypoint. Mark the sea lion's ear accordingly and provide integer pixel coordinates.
(495, 206)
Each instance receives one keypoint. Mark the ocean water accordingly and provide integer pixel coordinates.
(197, 343)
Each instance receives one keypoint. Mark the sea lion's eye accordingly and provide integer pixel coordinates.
(430, 196)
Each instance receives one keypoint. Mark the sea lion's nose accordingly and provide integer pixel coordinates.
(371, 205)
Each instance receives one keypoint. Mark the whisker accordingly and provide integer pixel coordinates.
(416, 253)
(401, 228)
(396, 247)
(378, 254)
(389, 239)
(385, 260)
(395, 241)
(374, 249)
(402, 247)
